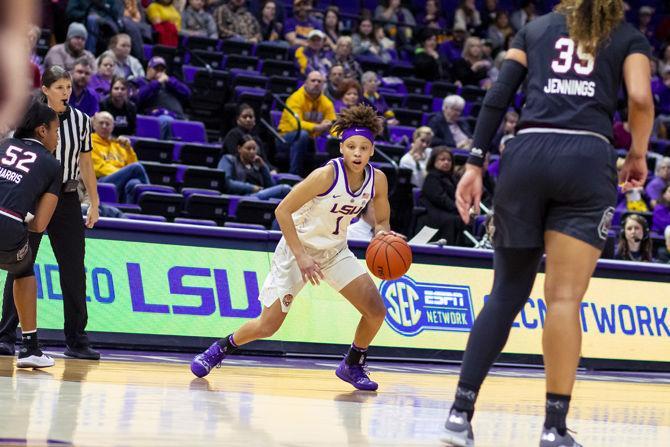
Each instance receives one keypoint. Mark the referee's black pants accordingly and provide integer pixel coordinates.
(66, 234)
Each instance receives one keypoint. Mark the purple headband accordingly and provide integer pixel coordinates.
(361, 131)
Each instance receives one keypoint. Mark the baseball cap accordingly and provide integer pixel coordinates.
(316, 33)
(646, 10)
(156, 61)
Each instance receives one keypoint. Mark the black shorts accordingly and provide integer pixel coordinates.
(15, 254)
(550, 181)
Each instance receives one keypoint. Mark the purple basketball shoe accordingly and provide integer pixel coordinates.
(357, 375)
(203, 363)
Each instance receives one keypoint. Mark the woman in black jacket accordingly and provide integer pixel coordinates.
(438, 196)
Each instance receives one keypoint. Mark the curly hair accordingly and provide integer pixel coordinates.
(360, 115)
(591, 21)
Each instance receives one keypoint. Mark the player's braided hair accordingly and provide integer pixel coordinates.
(591, 21)
(360, 115)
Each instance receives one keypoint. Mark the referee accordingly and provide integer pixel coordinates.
(66, 229)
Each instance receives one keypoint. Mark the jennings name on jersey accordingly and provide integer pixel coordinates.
(322, 222)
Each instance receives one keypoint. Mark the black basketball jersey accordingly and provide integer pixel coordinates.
(567, 88)
(27, 171)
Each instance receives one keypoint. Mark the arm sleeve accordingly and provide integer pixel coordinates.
(147, 91)
(519, 41)
(178, 88)
(639, 44)
(86, 144)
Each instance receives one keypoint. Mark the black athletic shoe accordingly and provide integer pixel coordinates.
(6, 348)
(82, 352)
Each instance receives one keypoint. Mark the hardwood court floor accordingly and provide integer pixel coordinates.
(144, 399)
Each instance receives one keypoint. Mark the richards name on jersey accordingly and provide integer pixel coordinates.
(574, 87)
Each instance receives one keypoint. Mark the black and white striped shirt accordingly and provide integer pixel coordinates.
(74, 138)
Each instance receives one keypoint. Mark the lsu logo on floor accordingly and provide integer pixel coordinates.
(413, 307)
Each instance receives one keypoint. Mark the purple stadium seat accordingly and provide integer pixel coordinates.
(203, 222)
(107, 193)
(270, 50)
(192, 131)
(148, 127)
(148, 51)
(140, 189)
(150, 217)
(287, 179)
(189, 72)
(186, 192)
(244, 226)
(164, 204)
(275, 116)
(398, 132)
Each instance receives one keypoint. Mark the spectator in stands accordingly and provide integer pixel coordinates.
(349, 95)
(34, 63)
(127, 65)
(634, 241)
(313, 56)
(645, 16)
(234, 21)
(467, 16)
(114, 159)
(335, 78)
(656, 80)
(247, 173)
(622, 138)
(365, 42)
(64, 54)
(663, 254)
(500, 31)
(162, 95)
(134, 11)
(331, 26)
(662, 122)
(507, 128)
(432, 16)
(246, 125)
(166, 21)
(660, 181)
(271, 28)
(83, 97)
(343, 56)
(298, 27)
(661, 216)
(388, 45)
(196, 21)
(363, 228)
(452, 49)
(449, 130)
(399, 21)
(416, 159)
(472, 68)
(370, 82)
(489, 13)
(438, 196)
(316, 114)
(104, 18)
(665, 59)
(524, 15)
(101, 80)
(427, 62)
(121, 108)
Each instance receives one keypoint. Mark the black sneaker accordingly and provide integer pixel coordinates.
(82, 352)
(6, 348)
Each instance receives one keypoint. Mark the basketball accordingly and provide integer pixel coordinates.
(388, 257)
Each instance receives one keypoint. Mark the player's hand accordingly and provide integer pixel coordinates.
(310, 269)
(633, 173)
(383, 233)
(92, 216)
(469, 192)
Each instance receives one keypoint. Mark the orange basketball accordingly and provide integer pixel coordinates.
(388, 257)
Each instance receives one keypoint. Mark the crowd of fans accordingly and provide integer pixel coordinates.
(101, 43)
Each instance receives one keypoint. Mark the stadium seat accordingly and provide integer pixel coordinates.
(204, 178)
(287, 179)
(234, 46)
(244, 226)
(147, 217)
(408, 117)
(393, 100)
(423, 103)
(138, 190)
(242, 62)
(154, 150)
(272, 67)
(191, 131)
(148, 127)
(401, 69)
(282, 84)
(200, 155)
(161, 203)
(269, 50)
(203, 222)
(472, 93)
(201, 206)
(254, 211)
(173, 58)
(107, 193)
(372, 63)
(186, 192)
(275, 117)
(394, 151)
(250, 80)
(161, 174)
(443, 89)
(397, 133)
(414, 85)
(203, 43)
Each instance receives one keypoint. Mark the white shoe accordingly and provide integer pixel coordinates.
(36, 360)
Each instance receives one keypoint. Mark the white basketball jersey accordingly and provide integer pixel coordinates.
(322, 222)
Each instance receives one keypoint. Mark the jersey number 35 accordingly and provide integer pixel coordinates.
(583, 65)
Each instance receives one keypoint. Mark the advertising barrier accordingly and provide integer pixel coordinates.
(183, 286)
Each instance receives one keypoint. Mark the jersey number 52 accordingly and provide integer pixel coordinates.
(583, 65)
(15, 156)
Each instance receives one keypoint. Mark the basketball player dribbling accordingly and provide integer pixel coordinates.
(556, 190)
(314, 218)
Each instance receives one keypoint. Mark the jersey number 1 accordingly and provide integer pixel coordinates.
(16, 156)
(584, 64)
(337, 226)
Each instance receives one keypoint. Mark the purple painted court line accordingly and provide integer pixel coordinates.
(397, 366)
